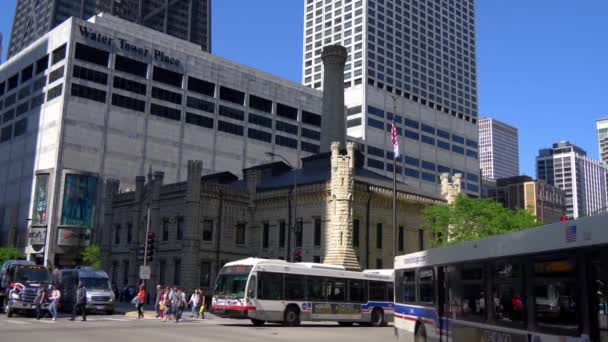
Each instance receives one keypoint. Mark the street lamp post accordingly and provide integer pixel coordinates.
(293, 223)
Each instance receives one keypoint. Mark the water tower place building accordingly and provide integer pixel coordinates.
(106, 98)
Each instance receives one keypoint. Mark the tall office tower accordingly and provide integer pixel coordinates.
(602, 138)
(582, 179)
(498, 149)
(415, 57)
(186, 19)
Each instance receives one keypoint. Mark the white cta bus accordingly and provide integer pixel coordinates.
(547, 284)
(265, 290)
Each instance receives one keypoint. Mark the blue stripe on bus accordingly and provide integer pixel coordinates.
(371, 305)
(425, 313)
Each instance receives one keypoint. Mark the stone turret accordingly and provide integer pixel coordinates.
(192, 220)
(333, 123)
(451, 190)
(340, 249)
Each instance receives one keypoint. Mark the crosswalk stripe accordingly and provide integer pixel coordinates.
(113, 319)
(13, 321)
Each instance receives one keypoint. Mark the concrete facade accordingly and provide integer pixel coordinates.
(422, 78)
(602, 138)
(207, 221)
(498, 148)
(71, 111)
(582, 179)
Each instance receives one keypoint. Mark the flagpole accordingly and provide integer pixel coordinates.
(395, 205)
(395, 141)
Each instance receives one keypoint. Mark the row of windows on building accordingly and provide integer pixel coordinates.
(16, 101)
(169, 113)
(414, 130)
(122, 268)
(241, 228)
(199, 86)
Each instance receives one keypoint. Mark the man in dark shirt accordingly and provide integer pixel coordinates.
(81, 302)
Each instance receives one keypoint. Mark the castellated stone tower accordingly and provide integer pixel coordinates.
(340, 249)
(451, 190)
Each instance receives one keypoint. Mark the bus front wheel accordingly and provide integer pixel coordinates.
(291, 318)
(377, 318)
(420, 334)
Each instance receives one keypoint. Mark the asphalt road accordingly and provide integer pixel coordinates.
(121, 328)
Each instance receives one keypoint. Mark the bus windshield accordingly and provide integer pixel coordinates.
(232, 281)
(36, 274)
(95, 283)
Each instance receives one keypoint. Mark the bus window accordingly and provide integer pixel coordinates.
(357, 291)
(405, 282)
(390, 296)
(467, 296)
(295, 287)
(507, 292)
(377, 291)
(336, 290)
(271, 286)
(252, 288)
(426, 285)
(315, 288)
(555, 291)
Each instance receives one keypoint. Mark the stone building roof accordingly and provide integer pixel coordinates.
(317, 169)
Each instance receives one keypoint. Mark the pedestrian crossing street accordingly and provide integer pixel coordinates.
(28, 322)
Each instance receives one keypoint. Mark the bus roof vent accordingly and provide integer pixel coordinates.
(321, 266)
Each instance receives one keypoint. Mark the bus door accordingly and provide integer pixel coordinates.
(598, 294)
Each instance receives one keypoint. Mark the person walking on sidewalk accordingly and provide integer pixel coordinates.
(141, 299)
(194, 302)
(55, 301)
(202, 300)
(81, 302)
(41, 298)
(157, 302)
(168, 303)
(179, 302)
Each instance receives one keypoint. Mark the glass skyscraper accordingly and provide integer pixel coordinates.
(186, 19)
(415, 57)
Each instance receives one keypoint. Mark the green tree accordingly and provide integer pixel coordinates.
(472, 219)
(8, 253)
(91, 256)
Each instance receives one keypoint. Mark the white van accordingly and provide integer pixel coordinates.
(100, 296)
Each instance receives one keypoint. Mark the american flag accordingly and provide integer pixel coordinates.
(394, 140)
(571, 234)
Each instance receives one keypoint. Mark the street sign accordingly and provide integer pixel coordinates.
(144, 272)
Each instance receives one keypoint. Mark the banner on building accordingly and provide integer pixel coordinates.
(41, 191)
(79, 201)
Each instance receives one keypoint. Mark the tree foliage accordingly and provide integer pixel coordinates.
(8, 253)
(91, 256)
(472, 219)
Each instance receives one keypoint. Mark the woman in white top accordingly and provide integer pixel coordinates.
(55, 297)
(194, 302)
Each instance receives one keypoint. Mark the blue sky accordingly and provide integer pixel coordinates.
(542, 64)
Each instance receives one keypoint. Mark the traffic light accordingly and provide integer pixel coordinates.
(151, 247)
(141, 251)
